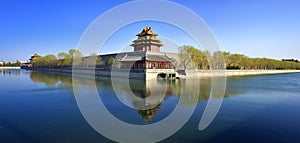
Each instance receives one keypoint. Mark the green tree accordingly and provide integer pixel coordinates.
(73, 53)
(76, 56)
(63, 55)
(63, 59)
(36, 62)
(110, 61)
(236, 61)
(205, 62)
(196, 56)
(218, 61)
(185, 57)
(226, 58)
(99, 61)
(190, 57)
(49, 60)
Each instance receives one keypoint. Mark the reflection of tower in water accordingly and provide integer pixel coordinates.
(147, 115)
(151, 93)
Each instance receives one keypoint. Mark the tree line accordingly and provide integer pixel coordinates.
(10, 64)
(200, 60)
(188, 57)
(67, 59)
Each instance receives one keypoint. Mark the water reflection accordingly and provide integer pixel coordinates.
(51, 79)
(147, 97)
(147, 115)
(10, 72)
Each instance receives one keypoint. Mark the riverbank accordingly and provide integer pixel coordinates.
(209, 73)
(102, 72)
(10, 67)
(150, 74)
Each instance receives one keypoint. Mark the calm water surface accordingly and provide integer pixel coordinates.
(40, 107)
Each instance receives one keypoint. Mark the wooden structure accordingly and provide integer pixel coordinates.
(146, 53)
(147, 41)
(33, 57)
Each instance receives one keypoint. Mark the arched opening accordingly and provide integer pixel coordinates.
(161, 75)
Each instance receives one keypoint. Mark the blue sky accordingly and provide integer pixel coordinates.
(256, 28)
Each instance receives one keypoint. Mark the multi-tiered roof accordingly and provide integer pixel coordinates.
(33, 57)
(147, 41)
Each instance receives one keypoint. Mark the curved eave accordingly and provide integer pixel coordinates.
(146, 34)
(143, 44)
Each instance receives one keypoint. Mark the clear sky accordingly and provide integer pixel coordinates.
(256, 28)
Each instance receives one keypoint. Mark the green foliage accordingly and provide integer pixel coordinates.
(73, 53)
(76, 55)
(50, 60)
(99, 61)
(67, 60)
(110, 61)
(189, 55)
(63, 55)
(64, 59)
(10, 64)
(185, 57)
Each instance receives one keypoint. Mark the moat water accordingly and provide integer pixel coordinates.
(40, 107)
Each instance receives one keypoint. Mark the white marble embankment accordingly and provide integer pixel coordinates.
(10, 67)
(209, 73)
(153, 74)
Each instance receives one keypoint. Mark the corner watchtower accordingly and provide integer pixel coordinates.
(147, 41)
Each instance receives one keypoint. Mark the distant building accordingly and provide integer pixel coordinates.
(34, 56)
(26, 64)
